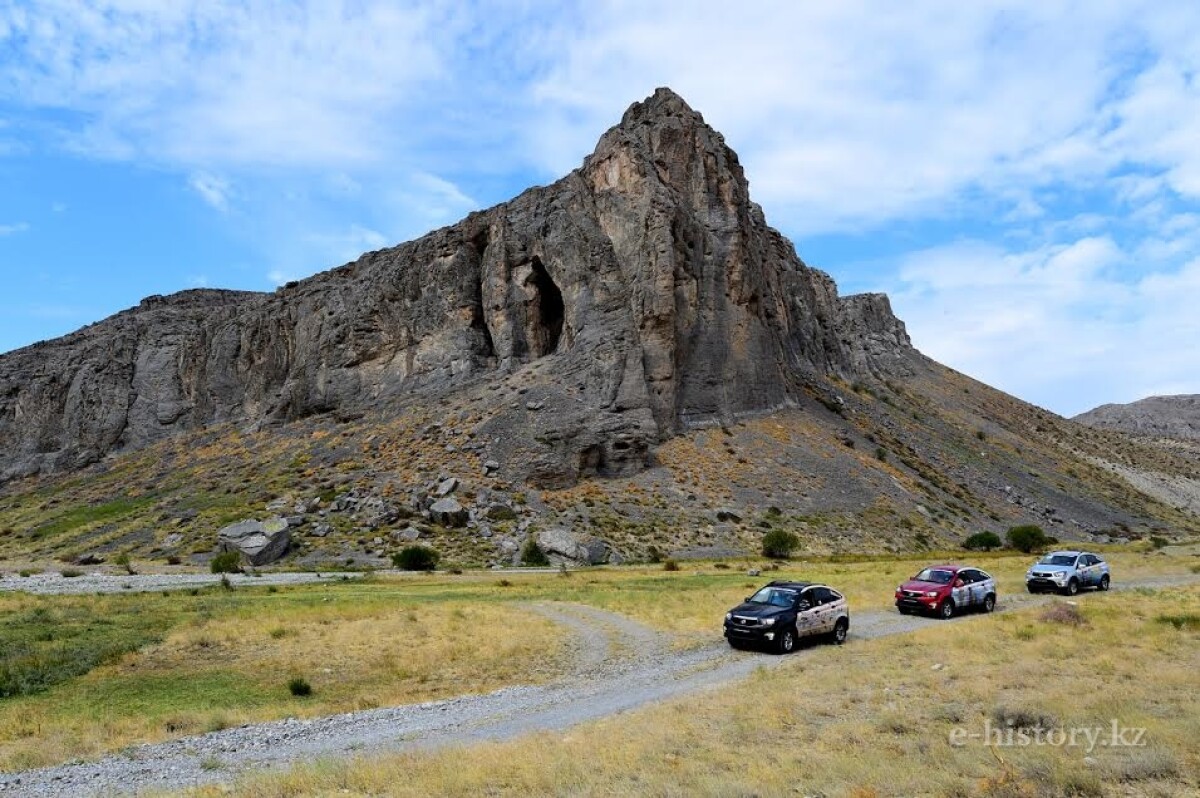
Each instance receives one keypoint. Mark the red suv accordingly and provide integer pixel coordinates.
(946, 589)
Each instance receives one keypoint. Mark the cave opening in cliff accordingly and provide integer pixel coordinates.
(547, 311)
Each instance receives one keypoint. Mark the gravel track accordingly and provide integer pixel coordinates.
(57, 584)
(620, 665)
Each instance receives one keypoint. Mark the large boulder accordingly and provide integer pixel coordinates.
(572, 548)
(259, 542)
(448, 512)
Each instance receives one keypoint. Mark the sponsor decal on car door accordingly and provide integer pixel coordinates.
(961, 593)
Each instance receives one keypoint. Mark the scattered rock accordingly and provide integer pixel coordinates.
(446, 487)
(259, 542)
(320, 530)
(564, 546)
(448, 512)
(89, 559)
(726, 515)
(753, 572)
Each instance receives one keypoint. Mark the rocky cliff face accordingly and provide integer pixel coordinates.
(646, 282)
(1160, 416)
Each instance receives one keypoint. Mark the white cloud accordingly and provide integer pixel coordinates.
(212, 189)
(1058, 325)
(849, 115)
(13, 229)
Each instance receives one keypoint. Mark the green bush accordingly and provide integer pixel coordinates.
(985, 541)
(227, 562)
(532, 554)
(1027, 538)
(416, 558)
(778, 544)
(299, 687)
(670, 565)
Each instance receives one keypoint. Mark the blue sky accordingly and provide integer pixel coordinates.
(1023, 180)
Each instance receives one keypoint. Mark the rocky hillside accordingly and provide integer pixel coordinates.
(1156, 416)
(646, 283)
(625, 364)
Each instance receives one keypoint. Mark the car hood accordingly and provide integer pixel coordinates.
(1051, 569)
(747, 610)
(920, 586)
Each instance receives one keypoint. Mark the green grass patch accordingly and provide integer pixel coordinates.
(92, 514)
(50, 642)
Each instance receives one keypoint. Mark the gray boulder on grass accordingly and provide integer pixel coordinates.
(259, 542)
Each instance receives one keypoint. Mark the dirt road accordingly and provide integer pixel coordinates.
(620, 664)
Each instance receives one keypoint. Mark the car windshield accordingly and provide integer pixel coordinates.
(1058, 559)
(776, 597)
(936, 575)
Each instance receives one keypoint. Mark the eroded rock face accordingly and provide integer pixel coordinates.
(647, 279)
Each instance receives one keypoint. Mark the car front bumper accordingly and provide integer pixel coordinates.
(917, 603)
(1040, 583)
(750, 634)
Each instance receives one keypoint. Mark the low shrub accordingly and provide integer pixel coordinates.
(299, 687)
(71, 573)
(533, 555)
(1027, 538)
(416, 558)
(1065, 614)
(227, 562)
(983, 541)
(778, 544)
(670, 565)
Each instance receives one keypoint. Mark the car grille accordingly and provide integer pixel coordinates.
(911, 593)
(741, 620)
(1041, 575)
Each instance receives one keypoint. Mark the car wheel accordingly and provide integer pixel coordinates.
(946, 609)
(839, 632)
(989, 602)
(1104, 582)
(1073, 587)
(786, 643)
(736, 644)
(1032, 589)
(905, 610)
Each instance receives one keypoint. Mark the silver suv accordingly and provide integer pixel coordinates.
(1068, 572)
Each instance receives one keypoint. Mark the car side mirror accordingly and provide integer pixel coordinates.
(804, 605)
(959, 583)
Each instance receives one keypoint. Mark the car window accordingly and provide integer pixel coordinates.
(823, 595)
(983, 576)
(938, 576)
(969, 576)
(1058, 559)
(1087, 559)
(774, 596)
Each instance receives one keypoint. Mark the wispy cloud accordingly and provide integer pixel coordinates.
(13, 229)
(212, 189)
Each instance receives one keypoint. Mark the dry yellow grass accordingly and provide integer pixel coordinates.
(873, 718)
(358, 651)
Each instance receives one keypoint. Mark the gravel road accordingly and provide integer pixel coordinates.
(55, 583)
(620, 664)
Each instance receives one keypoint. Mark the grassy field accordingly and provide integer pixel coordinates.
(87, 675)
(92, 674)
(871, 719)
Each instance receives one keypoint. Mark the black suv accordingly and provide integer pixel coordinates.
(781, 613)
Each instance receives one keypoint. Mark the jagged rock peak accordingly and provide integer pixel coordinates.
(647, 279)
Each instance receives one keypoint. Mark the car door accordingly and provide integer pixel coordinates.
(974, 580)
(986, 584)
(1087, 570)
(960, 591)
(806, 613)
(824, 615)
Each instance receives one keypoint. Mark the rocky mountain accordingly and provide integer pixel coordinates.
(647, 280)
(1158, 416)
(625, 364)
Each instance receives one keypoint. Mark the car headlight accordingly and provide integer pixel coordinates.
(768, 622)
(729, 616)
(899, 588)
(931, 593)
(1059, 577)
